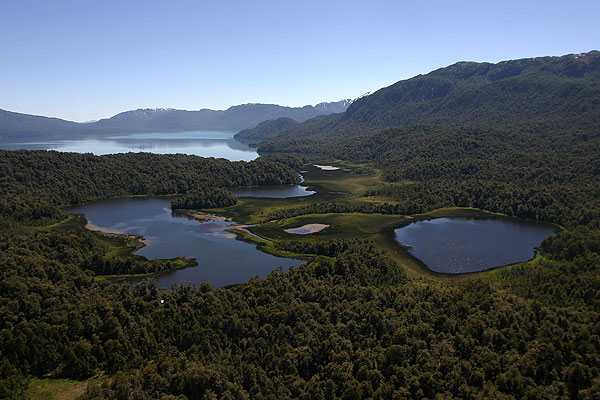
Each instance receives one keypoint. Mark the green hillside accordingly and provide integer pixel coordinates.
(561, 92)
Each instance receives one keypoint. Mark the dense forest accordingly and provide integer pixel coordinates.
(353, 327)
(351, 323)
(34, 183)
(204, 198)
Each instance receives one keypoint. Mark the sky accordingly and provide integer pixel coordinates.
(84, 60)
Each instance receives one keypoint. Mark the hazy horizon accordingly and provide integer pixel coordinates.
(90, 61)
(172, 108)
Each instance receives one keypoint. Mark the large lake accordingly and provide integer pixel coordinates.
(219, 144)
(459, 245)
(222, 260)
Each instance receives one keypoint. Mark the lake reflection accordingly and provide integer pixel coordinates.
(275, 192)
(222, 260)
(219, 144)
(459, 245)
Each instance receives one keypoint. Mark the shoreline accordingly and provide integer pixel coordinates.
(130, 239)
(203, 217)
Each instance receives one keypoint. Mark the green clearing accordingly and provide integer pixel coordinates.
(59, 389)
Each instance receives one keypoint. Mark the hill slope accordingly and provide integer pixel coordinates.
(15, 126)
(269, 128)
(563, 92)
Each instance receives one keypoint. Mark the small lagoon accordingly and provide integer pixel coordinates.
(461, 245)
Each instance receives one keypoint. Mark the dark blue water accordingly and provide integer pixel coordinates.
(459, 245)
(222, 260)
(218, 144)
(279, 192)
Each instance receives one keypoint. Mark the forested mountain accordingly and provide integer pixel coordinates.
(269, 128)
(560, 91)
(15, 127)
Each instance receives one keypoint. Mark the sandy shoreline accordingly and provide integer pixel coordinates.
(132, 240)
(91, 227)
(203, 217)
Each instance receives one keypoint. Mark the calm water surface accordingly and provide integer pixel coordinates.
(219, 144)
(222, 260)
(459, 245)
(278, 192)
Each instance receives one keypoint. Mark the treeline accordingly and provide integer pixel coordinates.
(330, 248)
(565, 204)
(549, 203)
(334, 207)
(294, 161)
(358, 258)
(205, 198)
(537, 153)
(34, 183)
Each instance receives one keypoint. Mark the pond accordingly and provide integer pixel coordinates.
(222, 260)
(219, 144)
(460, 245)
(326, 167)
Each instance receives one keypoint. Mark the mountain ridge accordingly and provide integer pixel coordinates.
(16, 127)
(564, 90)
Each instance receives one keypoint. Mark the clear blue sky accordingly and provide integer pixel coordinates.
(83, 60)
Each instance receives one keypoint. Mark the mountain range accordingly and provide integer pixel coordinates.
(561, 92)
(16, 127)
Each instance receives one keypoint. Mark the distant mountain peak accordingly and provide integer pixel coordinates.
(333, 107)
(153, 110)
